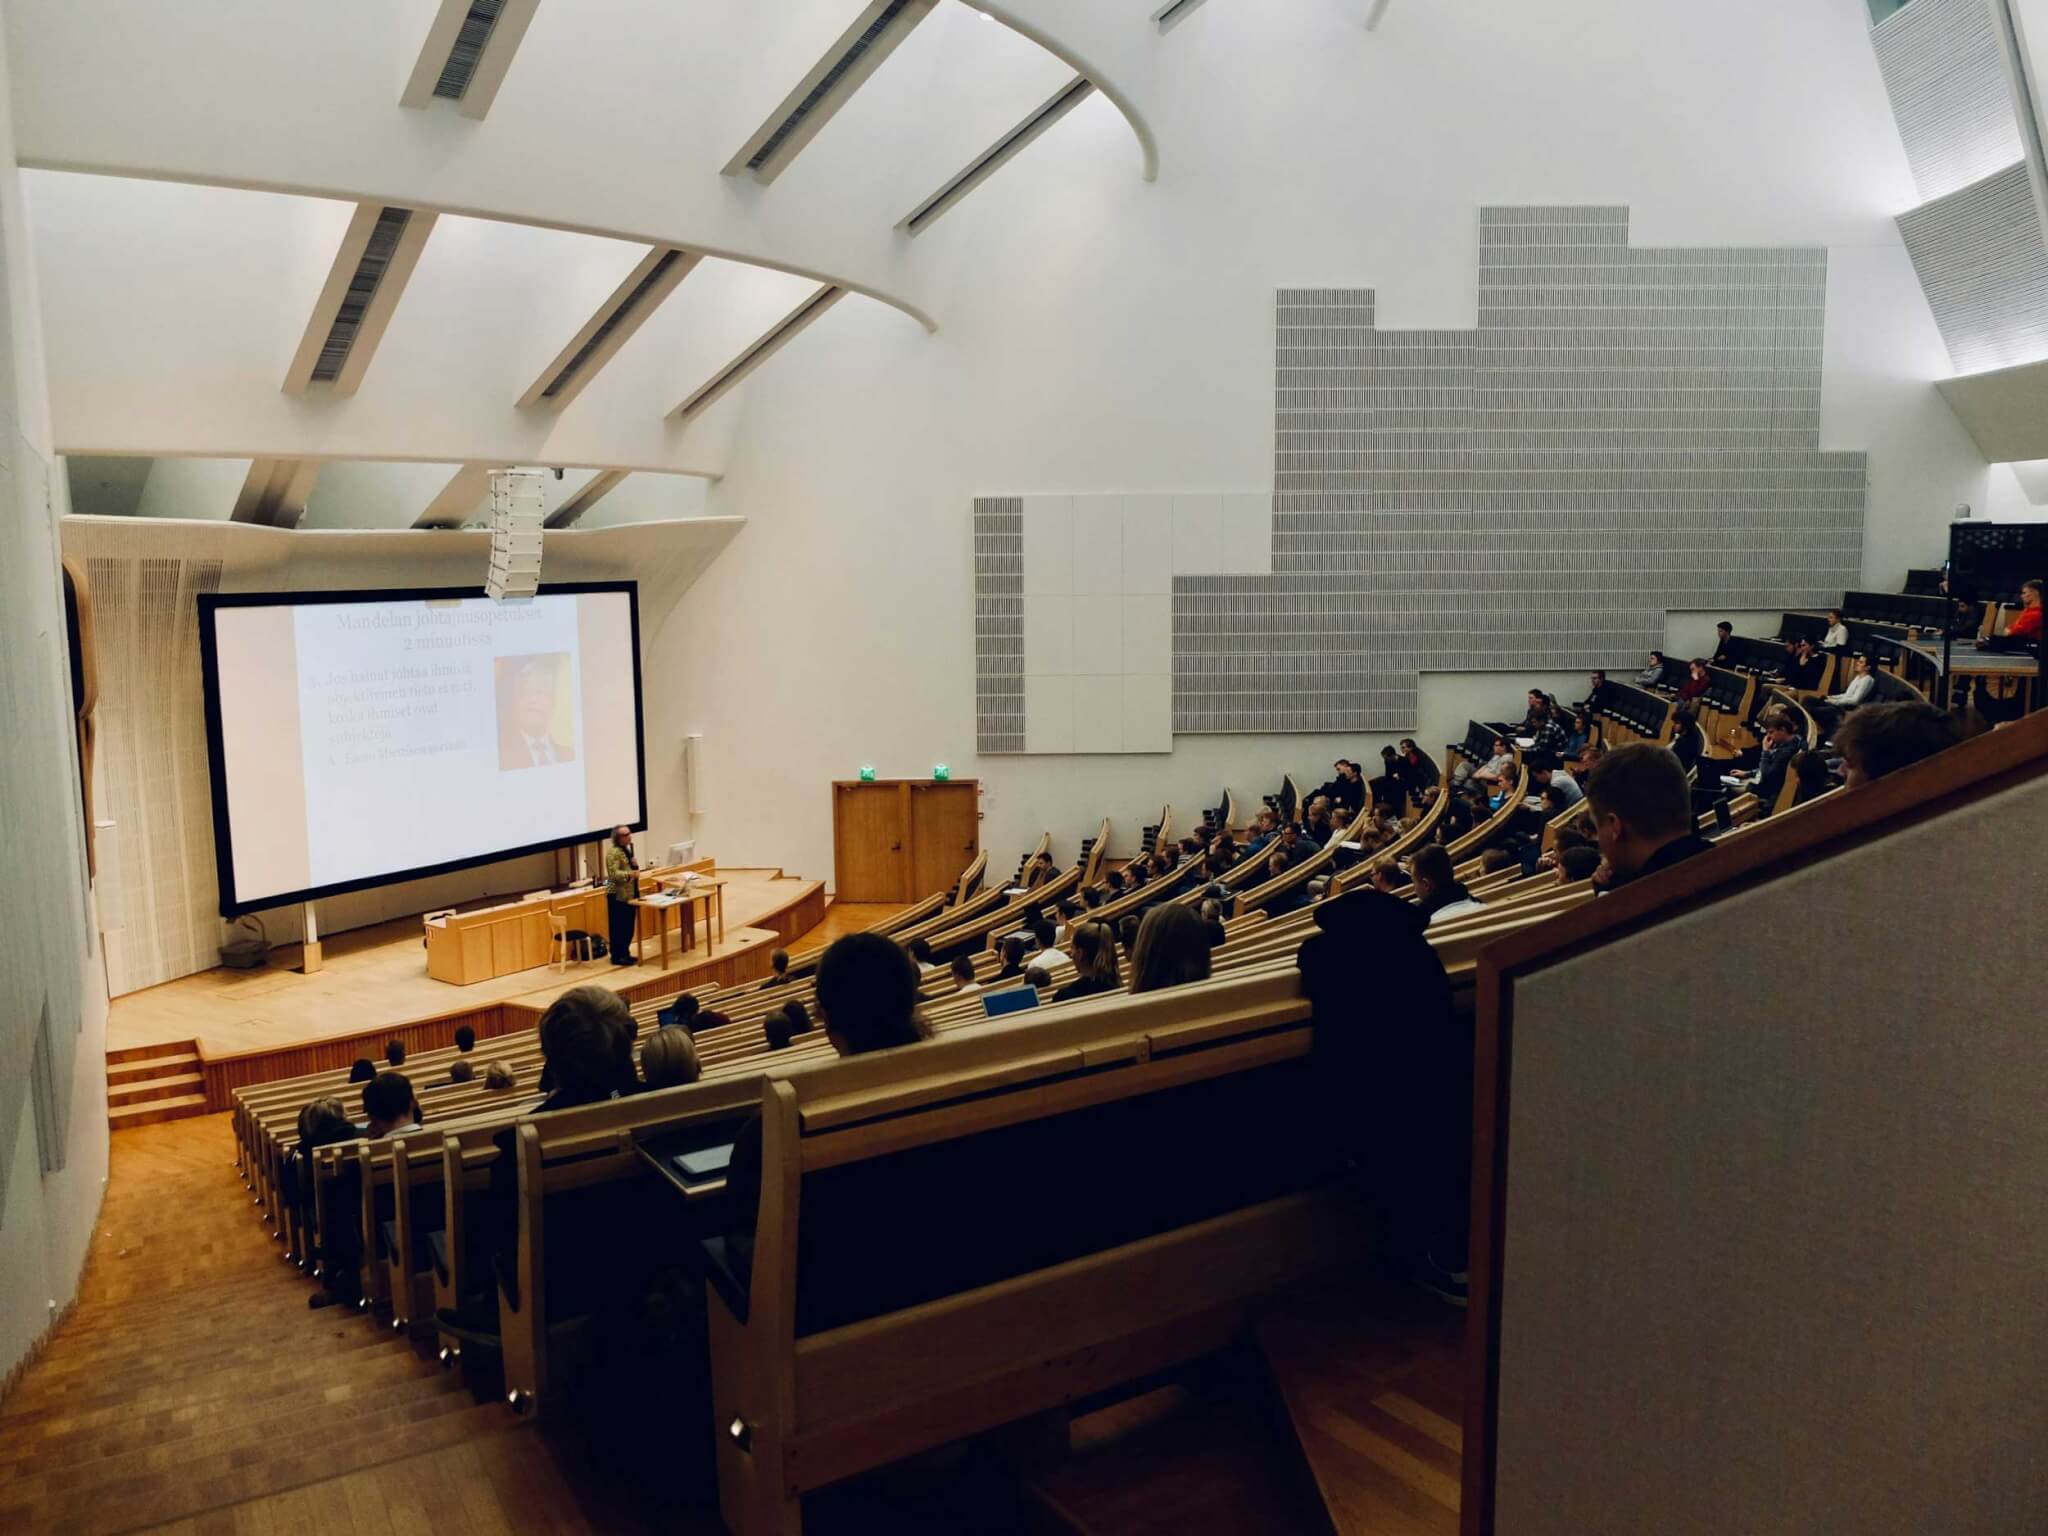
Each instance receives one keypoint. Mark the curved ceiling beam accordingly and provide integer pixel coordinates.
(1080, 41)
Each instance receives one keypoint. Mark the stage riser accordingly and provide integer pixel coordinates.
(224, 1076)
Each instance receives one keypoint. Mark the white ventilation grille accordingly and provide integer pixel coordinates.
(776, 338)
(362, 289)
(859, 52)
(620, 314)
(1171, 16)
(999, 154)
(469, 47)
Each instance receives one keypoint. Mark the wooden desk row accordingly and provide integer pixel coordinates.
(464, 948)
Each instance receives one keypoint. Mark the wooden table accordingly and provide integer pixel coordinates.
(678, 896)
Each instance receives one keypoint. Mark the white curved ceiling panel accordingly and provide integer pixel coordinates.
(172, 312)
(616, 119)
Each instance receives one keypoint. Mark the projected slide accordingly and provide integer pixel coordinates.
(364, 737)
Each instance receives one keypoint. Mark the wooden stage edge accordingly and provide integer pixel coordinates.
(743, 956)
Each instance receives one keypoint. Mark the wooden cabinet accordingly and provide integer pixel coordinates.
(902, 839)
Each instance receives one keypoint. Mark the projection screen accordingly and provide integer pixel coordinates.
(358, 738)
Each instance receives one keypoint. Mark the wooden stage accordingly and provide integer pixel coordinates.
(252, 1026)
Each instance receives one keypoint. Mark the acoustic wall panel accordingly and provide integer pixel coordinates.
(1982, 263)
(1625, 432)
(1945, 74)
(999, 624)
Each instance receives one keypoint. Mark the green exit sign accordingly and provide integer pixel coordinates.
(941, 773)
(867, 773)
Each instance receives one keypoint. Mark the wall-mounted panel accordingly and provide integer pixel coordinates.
(1984, 268)
(1624, 433)
(1946, 78)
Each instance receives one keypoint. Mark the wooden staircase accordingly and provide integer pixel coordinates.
(191, 1388)
(147, 1084)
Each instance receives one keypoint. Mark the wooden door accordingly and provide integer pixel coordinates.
(871, 841)
(945, 834)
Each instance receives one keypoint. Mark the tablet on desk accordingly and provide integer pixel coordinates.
(1015, 1000)
(704, 1163)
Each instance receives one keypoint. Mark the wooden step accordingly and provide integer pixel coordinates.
(149, 1090)
(134, 1053)
(1371, 1380)
(129, 1115)
(151, 1066)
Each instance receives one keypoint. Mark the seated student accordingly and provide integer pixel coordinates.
(1883, 738)
(1347, 790)
(460, 1072)
(394, 1053)
(1544, 776)
(1498, 772)
(1042, 934)
(1642, 813)
(1543, 725)
(1211, 913)
(1781, 743)
(2024, 631)
(669, 1058)
(1390, 786)
(1014, 949)
(1653, 674)
(322, 1123)
(1172, 949)
(1576, 863)
(499, 1077)
(1696, 683)
(1319, 829)
(1803, 665)
(1127, 928)
(1685, 739)
(1038, 871)
(1723, 633)
(1439, 893)
(363, 1070)
(1094, 963)
(1395, 1057)
(921, 952)
(778, 965)
(778, 1029)
(465, 1039)
(1837, 636)
(687, 1007)
(1828, 712)
(867, 1000)
(963, 974)
(1265, 827)
(1597, 694)
(799, 1016)
(708, 1019)
(579, 1045)
(1291, 899)
(389, 1106)
(1418, 771)
(1092, 897)
(1037, 977)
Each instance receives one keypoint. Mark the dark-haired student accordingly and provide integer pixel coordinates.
(1642, 813)
(778, 966)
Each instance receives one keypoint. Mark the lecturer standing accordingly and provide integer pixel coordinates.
(622, 888)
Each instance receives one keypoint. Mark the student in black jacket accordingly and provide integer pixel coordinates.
(1642, 814)
(1094, 963)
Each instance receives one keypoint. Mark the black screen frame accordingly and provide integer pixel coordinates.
(210, 603)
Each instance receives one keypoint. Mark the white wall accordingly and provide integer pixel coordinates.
(192, 488)
(46, 954)
(1102, 335)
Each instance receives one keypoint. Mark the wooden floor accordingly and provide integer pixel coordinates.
(191, 1390)
(377, 977)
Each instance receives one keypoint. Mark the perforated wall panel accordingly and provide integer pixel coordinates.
(999, 623)
(1945, 73)
(1984, 268)
(1626, 432)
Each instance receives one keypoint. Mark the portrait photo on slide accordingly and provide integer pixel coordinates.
(536, 720)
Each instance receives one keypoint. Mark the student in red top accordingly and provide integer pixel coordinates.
(2026, 624)
(1696, 685)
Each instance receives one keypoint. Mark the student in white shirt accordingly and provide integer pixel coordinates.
(1859, 686)
(1837, 637)
(1047, 956)
(963, 975)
